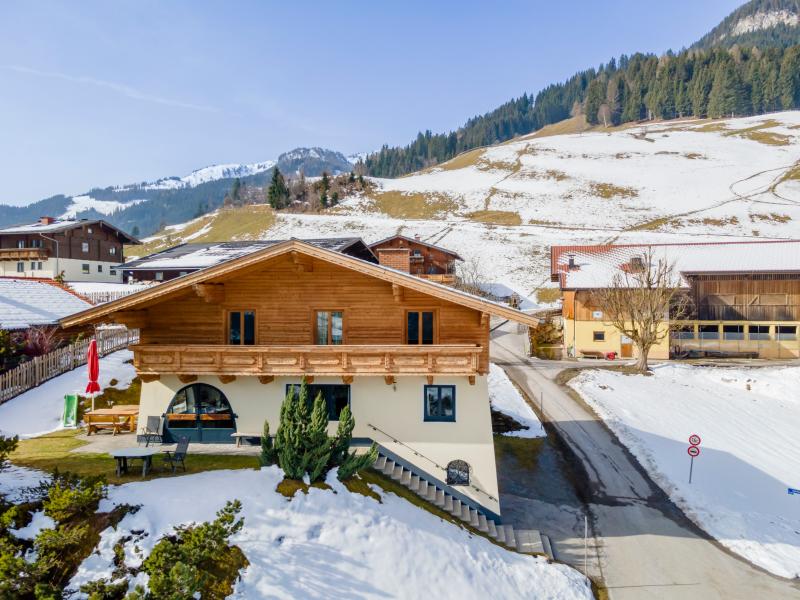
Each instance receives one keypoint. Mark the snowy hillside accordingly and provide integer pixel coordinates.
(211, 173)
(83, 203)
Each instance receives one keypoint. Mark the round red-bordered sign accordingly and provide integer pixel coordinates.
(694, 439)
(693, 451)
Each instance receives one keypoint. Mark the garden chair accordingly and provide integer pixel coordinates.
(152, 430)
(176, 457)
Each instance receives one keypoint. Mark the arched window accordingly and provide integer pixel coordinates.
(197, 408)
(458, 473)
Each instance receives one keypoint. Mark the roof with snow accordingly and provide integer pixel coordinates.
(414, 241)
(28, 302)
(191, 257)
(596, 266)
(45, 225)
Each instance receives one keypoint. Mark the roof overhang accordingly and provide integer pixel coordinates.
(392, 276)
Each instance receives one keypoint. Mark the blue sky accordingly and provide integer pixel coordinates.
(104, 93)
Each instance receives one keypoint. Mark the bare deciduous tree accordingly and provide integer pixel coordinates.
(469, 277)
(642, 299)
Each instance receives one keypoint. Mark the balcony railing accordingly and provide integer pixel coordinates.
(24, 253)
(462, 360)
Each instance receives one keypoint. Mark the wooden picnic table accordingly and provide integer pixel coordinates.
(116, 418)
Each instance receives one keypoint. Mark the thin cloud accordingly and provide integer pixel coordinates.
(124, 90)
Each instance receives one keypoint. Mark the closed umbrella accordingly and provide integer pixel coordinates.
(93, 364)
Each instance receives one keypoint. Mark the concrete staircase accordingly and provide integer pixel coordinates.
(437, 493)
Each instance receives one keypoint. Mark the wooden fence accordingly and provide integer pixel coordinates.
(103, 297)
(41, 368)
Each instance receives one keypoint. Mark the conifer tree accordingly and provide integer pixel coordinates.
(277, 192)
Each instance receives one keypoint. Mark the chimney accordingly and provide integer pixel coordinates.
(572, 265)
(637, 264)
(416, 236)
(395, 258)
(46, 220)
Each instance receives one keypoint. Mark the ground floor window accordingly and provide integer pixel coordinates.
(599, 336)
(200, 412)
(457, 473)
(683, 333)
(440, 403)
(20, 267)
(85, 268)
(786, 332)
(758, 332)
(336, 396)
(709, 332)
(733, 332)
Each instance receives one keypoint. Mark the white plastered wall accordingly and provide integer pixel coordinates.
(397, 410)
(72, 268)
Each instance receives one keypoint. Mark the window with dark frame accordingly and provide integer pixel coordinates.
(329, 327)
(758, 332)
(420, 327)
(85, 268)
(20, 267)
(786, 332)
(440, 402)
(683, 333)
(458, 472)
(336, 396)
(709, 332)
(733, 332)
(242, 327)
(599, 336)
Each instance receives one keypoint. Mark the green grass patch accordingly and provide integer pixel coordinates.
(609, 191)
(359, 485)
(524, 450)
(400, 205)
(495, 217)
(548, 294)
(55, 451)
(289, 487)
(465, 159)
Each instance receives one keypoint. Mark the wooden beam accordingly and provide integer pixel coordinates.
(484, 319)
(226, 378)
(397, 292)
(213, 293)
(265, 379)
(430, 379)
(132, 319)
(187, 378)
(347, 379)
(309, 379)
(301, 263)
(389, 379)
(471, 379)
(148, 377)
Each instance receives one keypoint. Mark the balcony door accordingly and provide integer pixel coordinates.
(201, 413)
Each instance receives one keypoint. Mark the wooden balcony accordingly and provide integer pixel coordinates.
(345, 361)
(24, 253)
(444, 278)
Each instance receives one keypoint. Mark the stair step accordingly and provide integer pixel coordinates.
(466, 514)
(483, 523)
(500, 534)
(529, 540)
(414, 483)
(405, 478)
(441, 497)
(422, 488)
(474, 518)
(397, 473)
(547, 546)
(511, 541)
(388, 468)
(380, 463)
(449, 502)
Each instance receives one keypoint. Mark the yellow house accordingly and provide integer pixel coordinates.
(745, 298)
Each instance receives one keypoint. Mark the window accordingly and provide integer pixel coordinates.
(20, 243)
(683, 333)
(786, 332)
(709, 332)
(20, 267)
(200, 406)
(85, 268)
(419, 327)
(99, 268)
(440, 403)
(89, 230)
(159, 276)
(336, 396)
(36, 243)
(112, 271)
(112, 251)
(598, 336)
(457, 472)
(328, 327)
(242, 327)
(758, 332)
(84, 246)
(33, 266)
(733, 332)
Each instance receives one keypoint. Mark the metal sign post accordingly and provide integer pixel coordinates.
(693, 450)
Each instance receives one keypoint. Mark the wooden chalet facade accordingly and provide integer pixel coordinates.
(744, 298)
(411, 255)
(220, 348)
(83, 250)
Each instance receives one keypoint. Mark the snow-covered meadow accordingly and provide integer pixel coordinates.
(749, 423)
(506, 398)
(38, 411)
(329, 543)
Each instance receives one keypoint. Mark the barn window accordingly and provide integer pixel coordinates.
(457, 473)
(758, 332)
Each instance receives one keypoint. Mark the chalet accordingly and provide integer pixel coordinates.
(183, 259)
(417, 257)
(221, 347)
(744, 297)
(81, 250)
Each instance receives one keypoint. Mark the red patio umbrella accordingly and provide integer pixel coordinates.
(93, 364)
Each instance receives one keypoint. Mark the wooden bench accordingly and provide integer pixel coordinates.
(239, 435)
(592, 354)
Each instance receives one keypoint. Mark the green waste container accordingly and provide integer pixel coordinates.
(70, 416)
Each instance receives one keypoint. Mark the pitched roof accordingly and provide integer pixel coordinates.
(414, 241)
(301, 247)
(596, 266)
(28, 302)
(191, 257)
(64, 224)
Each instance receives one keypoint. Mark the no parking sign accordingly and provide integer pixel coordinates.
(693, 450)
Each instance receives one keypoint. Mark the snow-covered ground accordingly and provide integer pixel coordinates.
(329, 543)
(506, 399)
(749, 423)
(38, 411)
(86, 202)
(89, 287)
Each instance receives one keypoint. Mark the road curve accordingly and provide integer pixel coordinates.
(647, 548)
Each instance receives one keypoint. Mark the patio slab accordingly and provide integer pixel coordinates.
(105, 443)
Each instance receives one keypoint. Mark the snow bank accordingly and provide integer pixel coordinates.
(15, 481)
(749, 422)
(330, 544)
(504, 397)
(38, 411)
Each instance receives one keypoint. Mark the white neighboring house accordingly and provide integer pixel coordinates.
(25, 303)
(83, 250)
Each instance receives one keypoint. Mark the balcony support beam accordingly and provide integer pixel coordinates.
(226, 378)
(265, 379)
(187, 378)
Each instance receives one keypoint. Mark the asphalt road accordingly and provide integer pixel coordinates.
(644, 546)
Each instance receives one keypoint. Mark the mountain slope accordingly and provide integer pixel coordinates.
(762, 23)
